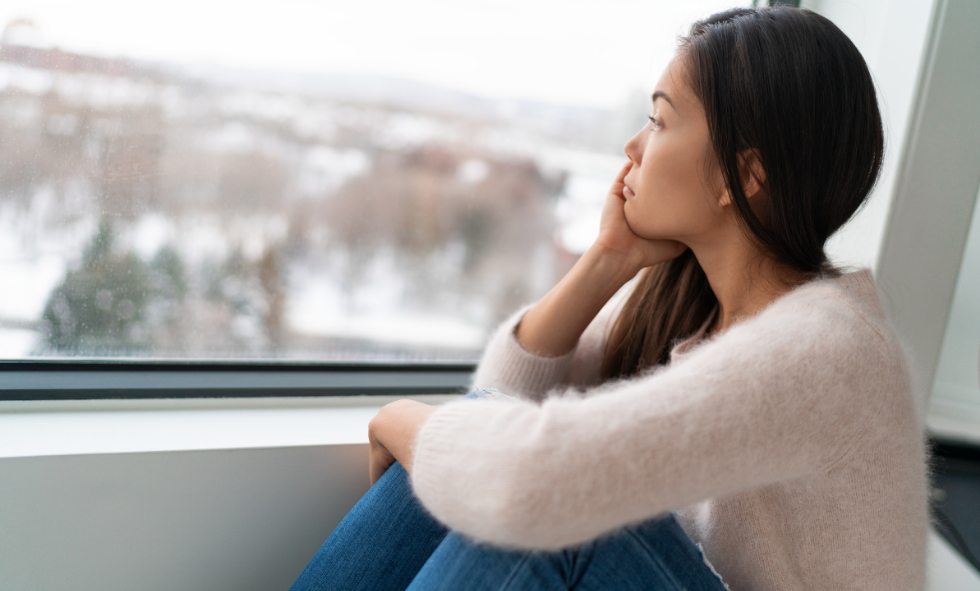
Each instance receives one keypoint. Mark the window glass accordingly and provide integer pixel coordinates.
(956, 393)
(377, 179)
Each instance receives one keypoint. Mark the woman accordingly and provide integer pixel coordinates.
(746, 397)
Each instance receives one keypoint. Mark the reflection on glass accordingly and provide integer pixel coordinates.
(164, 209)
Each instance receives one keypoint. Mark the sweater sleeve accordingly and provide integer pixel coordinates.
(773, 399)
(510, 368)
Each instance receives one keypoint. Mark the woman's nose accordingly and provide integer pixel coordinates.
(632, 149)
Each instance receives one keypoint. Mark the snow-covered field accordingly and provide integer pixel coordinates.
(294, 225)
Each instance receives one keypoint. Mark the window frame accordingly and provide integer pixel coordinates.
(133, 379)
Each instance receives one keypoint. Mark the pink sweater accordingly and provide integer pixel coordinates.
(789, 446)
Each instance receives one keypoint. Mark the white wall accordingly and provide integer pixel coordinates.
(235, 520)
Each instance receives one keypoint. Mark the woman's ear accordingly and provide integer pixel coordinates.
(752, 175)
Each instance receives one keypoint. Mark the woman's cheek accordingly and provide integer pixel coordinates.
(639, 218)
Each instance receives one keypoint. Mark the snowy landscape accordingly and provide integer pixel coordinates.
(174, 210)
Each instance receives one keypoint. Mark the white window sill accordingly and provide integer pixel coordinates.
(55, 428)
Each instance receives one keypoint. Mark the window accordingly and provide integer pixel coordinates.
(343, 181)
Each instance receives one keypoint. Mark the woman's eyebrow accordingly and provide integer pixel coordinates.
(663, 95)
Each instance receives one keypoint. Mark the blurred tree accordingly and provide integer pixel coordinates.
(167, 274)
(99, 308)
(165, 311)
(274, 294)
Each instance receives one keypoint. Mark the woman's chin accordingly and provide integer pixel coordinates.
(637, 226)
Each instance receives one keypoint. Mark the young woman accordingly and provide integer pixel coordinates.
(745, 396)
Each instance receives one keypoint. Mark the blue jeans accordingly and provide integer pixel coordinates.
(388, 541)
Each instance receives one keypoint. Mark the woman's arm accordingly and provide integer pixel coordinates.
(771, 400)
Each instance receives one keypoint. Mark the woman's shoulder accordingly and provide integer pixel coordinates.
(844, 301)
(829, 336)
(860, 354)
(841, 318)
(837, 320)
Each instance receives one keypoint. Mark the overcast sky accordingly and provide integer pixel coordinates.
(586, 52)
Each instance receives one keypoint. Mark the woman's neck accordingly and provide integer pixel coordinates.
(744, 280)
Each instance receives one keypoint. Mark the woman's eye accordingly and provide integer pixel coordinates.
(656, 124)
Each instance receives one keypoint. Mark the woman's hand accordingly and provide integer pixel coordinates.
(392, 433)
(555, 324)
(617, 239)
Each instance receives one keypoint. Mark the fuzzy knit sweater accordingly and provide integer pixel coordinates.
(789, 446)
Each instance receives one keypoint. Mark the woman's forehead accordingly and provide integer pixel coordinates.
(674, 87)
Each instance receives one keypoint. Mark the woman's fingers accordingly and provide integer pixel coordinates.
(380, 460)
(621, 178)
(616, 235)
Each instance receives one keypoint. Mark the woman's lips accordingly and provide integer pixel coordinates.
(627, 192)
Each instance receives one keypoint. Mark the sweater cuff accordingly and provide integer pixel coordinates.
(440, 464)
(510, 368)
(434, 443)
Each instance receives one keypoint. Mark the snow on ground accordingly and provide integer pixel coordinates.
(319, 308)
(26, 285)
(17, 344)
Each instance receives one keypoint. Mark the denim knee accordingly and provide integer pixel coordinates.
(488, 394)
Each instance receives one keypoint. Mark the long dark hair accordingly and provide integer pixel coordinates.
(789, 84)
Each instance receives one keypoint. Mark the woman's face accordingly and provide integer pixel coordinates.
(667, 192)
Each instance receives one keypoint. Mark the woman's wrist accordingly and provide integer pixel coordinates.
(609, 268)
(554, 325)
